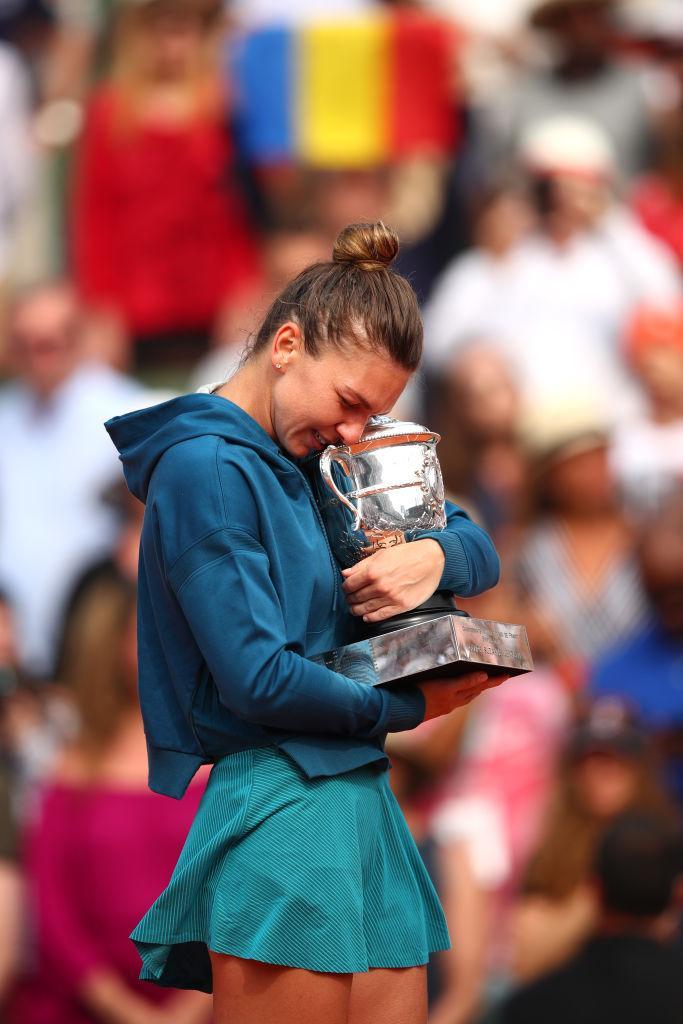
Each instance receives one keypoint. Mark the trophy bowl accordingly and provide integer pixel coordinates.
(384, 490)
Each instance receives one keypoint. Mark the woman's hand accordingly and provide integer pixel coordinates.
(445, 695)
(394, 580)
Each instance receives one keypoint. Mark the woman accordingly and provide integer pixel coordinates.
(575, 566)
(607, 770)
(161, 234)
(101, 844)
(299, 895)
(647, 449)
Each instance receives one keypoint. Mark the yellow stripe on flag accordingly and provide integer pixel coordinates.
(343, 101)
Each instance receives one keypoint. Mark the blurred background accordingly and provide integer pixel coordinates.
(165, 167)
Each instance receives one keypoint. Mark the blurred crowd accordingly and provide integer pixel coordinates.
(534, 171)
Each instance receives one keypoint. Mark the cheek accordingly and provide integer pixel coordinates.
(307, 403)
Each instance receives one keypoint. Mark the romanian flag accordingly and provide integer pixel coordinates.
(351, 93)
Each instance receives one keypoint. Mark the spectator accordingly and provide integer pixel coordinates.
(657, 196)
(34, 722)
(575, 567)
(583, 76)
(10, 874)
(646, 668)
(56, 465)
(26, 24)
(286, 251)
(102, 843)
(607, 770)
(11, 889)
(476, 408)
(487, 824)
(556, 301)
(160, 229)
(16, 160)
(626, 972)
(647, 449)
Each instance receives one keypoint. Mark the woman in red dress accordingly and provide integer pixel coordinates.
(161, 236)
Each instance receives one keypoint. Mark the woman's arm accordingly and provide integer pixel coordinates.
(471, 561)
(547, 932)
(461, 558)
(469, 911)
(11, 893)
(230, 603)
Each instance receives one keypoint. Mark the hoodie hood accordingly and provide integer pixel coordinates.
(142, 437)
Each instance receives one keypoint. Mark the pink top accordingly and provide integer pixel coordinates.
(96, 858)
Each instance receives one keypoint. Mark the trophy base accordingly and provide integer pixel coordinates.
(440, 603)
(442, 647)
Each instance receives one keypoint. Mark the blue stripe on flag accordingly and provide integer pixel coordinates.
(262, 69)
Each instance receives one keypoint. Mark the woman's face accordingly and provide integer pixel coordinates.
(605, 783)
(328, 398)
(483, 390)
(582, 482)
(172, 43)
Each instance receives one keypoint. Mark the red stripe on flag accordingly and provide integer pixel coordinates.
(424, 110)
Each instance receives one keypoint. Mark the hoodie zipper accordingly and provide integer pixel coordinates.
(336, 574)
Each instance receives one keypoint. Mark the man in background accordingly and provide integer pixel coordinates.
(56, 466)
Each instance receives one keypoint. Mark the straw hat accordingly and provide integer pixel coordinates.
(563, 428)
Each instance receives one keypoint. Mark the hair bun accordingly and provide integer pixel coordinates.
(366, 246)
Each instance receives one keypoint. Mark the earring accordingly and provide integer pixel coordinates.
(278, 366)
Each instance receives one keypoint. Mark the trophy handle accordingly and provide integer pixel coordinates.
(329, 456)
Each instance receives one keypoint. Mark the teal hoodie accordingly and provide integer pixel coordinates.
(238, 587)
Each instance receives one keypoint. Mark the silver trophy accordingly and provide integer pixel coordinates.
(387, 489)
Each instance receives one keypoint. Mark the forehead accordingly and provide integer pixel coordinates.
(49, 309)
(371, 375)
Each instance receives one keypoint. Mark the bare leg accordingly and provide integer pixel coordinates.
(397, 996)
(249, 992)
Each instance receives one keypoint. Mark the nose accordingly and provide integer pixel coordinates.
(351, 430)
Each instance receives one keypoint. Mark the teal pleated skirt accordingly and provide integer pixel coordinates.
(321, 874)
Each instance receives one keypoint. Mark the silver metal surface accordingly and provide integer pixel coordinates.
(381, 489)
(446, 646)
(379, 492)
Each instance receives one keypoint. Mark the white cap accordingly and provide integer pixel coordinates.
(570, 144)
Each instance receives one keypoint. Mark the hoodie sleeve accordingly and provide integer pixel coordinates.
(472, 563)
(226, 593)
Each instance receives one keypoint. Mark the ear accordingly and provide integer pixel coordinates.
(287, 345)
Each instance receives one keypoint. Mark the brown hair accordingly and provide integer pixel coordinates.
(127, 72)
(565, 855)
(93, 663)
(354, 297)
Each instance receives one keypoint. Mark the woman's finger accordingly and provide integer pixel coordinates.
(367, 593)
(367, 607)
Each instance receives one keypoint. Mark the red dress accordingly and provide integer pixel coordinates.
(160, 231)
